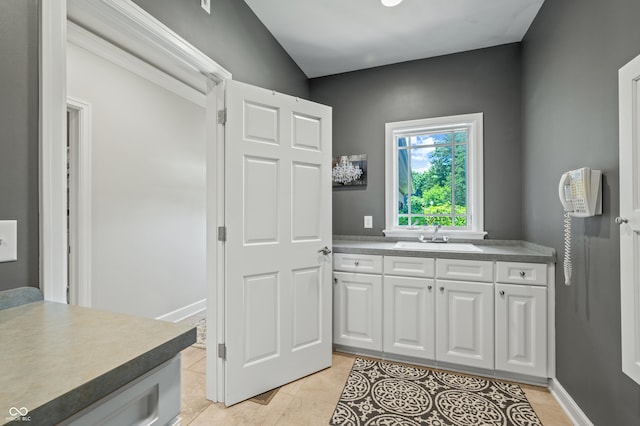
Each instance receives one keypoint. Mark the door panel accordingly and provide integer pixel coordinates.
(261, 318)
(307, 132)
(278, 215)
(358, 310)
(521, 338)
(409, 312)
(465, 323)
(261, 200)
(306, 214)
(307, 305)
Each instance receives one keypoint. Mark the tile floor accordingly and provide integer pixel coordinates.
(308, 401)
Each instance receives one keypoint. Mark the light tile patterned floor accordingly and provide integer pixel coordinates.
(307, 402)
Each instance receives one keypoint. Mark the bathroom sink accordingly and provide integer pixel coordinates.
(411, 245)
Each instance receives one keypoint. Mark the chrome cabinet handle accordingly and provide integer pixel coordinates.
(501, 292)
(325, 250)
(620, 220)
(522, 274)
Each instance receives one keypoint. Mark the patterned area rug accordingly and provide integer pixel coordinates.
(201, 340)
(378, 393)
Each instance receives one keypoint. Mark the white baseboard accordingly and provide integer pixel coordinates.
(575, 414)
(184, 312)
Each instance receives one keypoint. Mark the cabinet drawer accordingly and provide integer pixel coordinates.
(366, 263)
(409, 266)
(521, 273)
(464, 270)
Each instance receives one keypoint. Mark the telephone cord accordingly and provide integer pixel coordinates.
(567, 248)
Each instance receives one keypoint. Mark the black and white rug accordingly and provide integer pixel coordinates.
(379, 393)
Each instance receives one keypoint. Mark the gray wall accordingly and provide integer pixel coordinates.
(234, 37)
(485, 80)
(19, 136)
(571, 56)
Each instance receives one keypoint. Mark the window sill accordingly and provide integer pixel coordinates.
(455, 234)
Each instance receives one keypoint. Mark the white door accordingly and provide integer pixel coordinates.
(358, 310)
(409, 316)
(521, 329)
(464, 323)
(278, 217)
(629, 220)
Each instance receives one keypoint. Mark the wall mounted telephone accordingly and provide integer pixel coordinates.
(580, 193)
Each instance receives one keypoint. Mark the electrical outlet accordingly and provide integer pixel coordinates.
(368, 221)
(8, 240)
(206, 5)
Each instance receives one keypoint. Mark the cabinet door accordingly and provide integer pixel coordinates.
(521, 329)
(464, 323)
(409, 316)
(357, 315)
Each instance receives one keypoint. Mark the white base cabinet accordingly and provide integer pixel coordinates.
(521, 329)
(464, 319)
(474, 313)
(409, 316)
(357, 304)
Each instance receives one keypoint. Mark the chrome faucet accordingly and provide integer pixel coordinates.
(436, 227)
(434, 238)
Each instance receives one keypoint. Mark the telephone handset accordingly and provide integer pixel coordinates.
(580, 193)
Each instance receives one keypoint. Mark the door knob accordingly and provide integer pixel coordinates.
(429, 287)
(325, 250)
(620, 220)
(501, 292)
(522, 274)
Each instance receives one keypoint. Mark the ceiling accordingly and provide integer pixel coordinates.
(332, 36)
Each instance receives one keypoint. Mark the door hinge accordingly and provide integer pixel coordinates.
(222, 351)
(222, 233)
(222, 116)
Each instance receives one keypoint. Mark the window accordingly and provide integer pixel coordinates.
(434, 176)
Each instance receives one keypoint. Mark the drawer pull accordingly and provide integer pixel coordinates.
(429, 287)
(501, 292)
(356, 263)
(522, 274)
(441, 288)
(335, 281)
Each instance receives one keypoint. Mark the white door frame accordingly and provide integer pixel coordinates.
(628, 82)
(125, 23)
(79, 124)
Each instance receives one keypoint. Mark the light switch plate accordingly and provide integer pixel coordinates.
(368, 221)
(206, 5)
(8, 240)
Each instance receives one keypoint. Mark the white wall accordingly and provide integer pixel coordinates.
(148, 189)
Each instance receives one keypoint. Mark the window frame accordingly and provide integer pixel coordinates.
(475, 174)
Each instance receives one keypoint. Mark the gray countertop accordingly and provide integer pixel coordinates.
(57, 359)
(506, 250)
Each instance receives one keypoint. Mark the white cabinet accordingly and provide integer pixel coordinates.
(464, 270)
(357, 310)
(409, 317)
(409, 266)
(464, 323)
(521, 329)
(409, 306)
(363, 263)
(521, 273)
(490, 315)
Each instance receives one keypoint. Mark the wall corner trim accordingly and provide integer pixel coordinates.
(573, 411)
